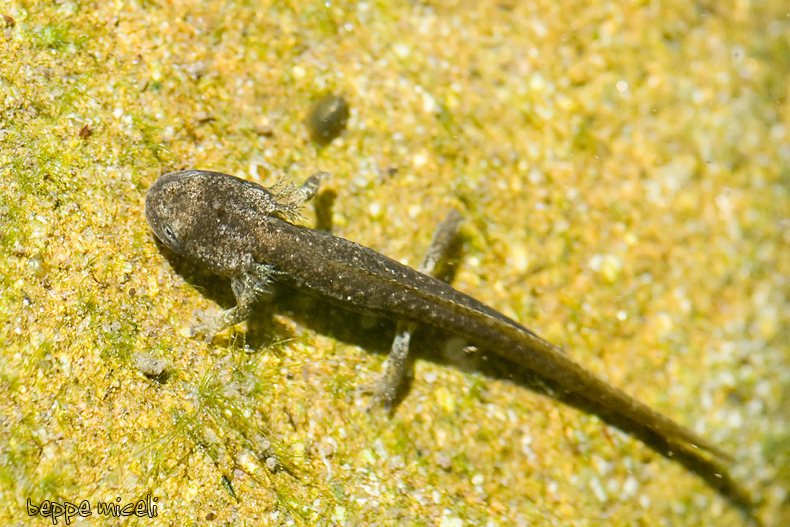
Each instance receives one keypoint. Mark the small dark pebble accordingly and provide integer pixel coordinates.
(86, 131)
(8, 21)
(327, 118)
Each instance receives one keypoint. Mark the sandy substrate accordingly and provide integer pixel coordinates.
(624, 169)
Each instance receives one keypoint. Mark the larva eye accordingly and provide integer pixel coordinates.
(170, 237)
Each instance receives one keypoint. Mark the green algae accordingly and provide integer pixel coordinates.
(545, 154)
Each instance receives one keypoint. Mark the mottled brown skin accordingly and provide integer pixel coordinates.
(238, 229)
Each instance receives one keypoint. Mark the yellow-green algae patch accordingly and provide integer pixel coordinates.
(624, 169)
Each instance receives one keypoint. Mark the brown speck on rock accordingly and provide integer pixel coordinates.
(86, 131)
(8, 21)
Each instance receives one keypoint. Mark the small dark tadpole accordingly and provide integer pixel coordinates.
(327, 118)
